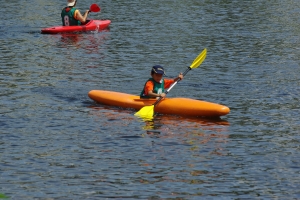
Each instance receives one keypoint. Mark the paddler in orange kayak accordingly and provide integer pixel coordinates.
(71, 16)
(155, 86)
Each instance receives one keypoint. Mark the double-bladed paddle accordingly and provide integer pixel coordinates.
(94, 8)
(147, 112)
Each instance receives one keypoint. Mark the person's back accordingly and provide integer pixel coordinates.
(71, 16)
(67, 16)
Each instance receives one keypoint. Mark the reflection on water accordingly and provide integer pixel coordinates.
(91, 40)
(173, 150)
(166, 126)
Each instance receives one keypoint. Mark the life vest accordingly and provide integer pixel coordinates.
(67, 17)
(158, 88)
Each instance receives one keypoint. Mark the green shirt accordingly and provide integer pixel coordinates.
(67, 17)
(158, 88)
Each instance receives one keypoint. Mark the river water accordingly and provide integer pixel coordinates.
(56, 143)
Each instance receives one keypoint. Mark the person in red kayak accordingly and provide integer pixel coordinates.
(155, 86)
(71, 16)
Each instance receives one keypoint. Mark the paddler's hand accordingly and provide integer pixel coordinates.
(163, 95)
(180, 76)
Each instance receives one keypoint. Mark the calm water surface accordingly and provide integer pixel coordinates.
(56, 143)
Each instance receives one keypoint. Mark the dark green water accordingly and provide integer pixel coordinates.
(56, 143)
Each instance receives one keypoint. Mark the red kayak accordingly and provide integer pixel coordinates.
(91, 25)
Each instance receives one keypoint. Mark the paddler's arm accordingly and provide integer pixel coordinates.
(169, 82)
(152, 94)
(79, 17)
(180, 76)
(148, 91)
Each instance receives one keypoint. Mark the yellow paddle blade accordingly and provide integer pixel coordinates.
(199, 59)
(199, 56)
(146, 112)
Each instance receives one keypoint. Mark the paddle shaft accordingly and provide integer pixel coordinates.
(170, 88)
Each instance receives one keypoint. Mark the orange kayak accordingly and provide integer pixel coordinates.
(174, 106)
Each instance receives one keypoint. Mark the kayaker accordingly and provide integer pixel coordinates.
(155, 86)
(71, 16)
